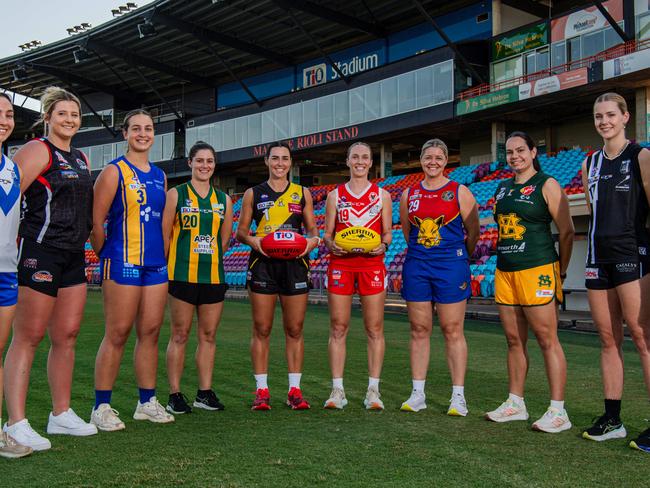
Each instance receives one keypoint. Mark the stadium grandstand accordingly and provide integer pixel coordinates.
(242, 74)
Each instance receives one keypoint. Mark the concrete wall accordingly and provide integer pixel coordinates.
(511, 18)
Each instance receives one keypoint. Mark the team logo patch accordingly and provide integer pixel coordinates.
(509, 227)
(295, 197)
(448, 196)
(544, 280)
(625, 167)
(591, 273)
(30, 263)
(501, 194)
(373, 196)
(42, 276)
(429, 231)
(527, 190)
(60, 158)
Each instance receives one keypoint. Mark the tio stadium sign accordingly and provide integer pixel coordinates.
(318, 73)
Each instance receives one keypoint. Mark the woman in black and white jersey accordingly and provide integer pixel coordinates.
(616, 275)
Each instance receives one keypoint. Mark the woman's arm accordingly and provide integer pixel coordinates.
(245, 219)
(558, 207)
(104, 193)
(169, 216)
(469, 214)
(226, 226)
(31, 159)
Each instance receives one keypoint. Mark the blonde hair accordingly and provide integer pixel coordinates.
(612, 97)
(359, 143)
(434, 143)
(133, 113)
(50, 97)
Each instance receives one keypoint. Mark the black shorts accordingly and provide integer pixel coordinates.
(46, 269)
(610, 275)
(198, 293)
(277, 276)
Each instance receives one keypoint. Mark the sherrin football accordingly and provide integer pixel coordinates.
(284, 244)
(357, 239)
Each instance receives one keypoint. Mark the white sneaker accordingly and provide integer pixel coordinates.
(415, 402)
(553, 421)
(69, 423)
(508, 411)
(106, 418)
(457, 406)
(152, 411)
(23, 434)
(10, 449)
(337, 399)
(373, 400)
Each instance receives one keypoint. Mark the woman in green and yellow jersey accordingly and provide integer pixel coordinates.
(528, 281)
(197, 224)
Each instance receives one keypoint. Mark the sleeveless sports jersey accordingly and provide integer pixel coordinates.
(58, 205)
(362, 210)
(619, 207)
(525, 238)
(9, 214)
(134, 232)
(277, 210)
(436, 224)
(195, 252)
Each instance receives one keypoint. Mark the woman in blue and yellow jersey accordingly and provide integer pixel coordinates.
(130, 191)
(277, 204)
(529, 275)
(198, 222)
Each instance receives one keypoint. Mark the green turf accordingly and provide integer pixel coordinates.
(240, 448)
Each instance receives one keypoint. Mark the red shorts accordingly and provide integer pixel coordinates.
(369, 281)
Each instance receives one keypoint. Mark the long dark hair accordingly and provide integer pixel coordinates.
(199, 146)
(530, 143)
(4, 95)
(277, 144)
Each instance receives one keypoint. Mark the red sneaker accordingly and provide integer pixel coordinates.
(262, 400)
(296, 401)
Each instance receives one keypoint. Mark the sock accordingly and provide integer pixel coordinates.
(102, 396)
(557, 404)
(261, 381)
(457, 390)
(373, 382)
(202, 393)
(146, 394)
(337, 383)
(516, 399)
(613, 408)
(294, 380)
(418, 385)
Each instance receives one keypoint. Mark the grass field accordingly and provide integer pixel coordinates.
(240, 448)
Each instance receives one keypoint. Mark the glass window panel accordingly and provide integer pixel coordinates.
(310, 116)
(228, 127)
(326, 113)
(530, 63)
(373, 101)
(204, 134)
(96, 155)
(573, 49)
(268, 129)
(388, 97)
(341, 110)
(281, 121)
(156, 150)
(406, 92)
(168, 145)
(254, 129)
(592, 43)
(612, 38)
(216, 137)
(541, 60)
(356, 105)
(424, 87)
(241, 132)
(443, 82)
(296, 120)
(108, 154)
(558, 54)
(643, 32)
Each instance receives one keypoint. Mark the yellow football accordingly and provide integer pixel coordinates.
(357, 239)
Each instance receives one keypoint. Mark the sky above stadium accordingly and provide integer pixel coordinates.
(47, 20)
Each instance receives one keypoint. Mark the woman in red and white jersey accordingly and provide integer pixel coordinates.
(357, 203)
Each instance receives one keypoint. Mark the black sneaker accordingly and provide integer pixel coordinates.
(177, 404)
(642, 443)
(208, 401)
(605, 428)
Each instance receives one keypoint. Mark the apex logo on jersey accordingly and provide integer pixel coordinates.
(429, 231)
(528, 190)
(544, 280)
(509, 227)
(204, 244)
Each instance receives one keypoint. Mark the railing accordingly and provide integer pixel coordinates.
(611, 53)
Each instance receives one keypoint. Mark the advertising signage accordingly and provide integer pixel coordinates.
(584, 21)
(314, 140)
(562, 81)
(489, 100)
(521, 41)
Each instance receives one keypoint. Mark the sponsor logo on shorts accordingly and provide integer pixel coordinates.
(626, 267)
(643, 251)
(30, 263)
(544, 293)
(42, 276)
(376, 281)
(249, 275)
(261, 284)
(463, 285)
(336, 274)
(301, 285)
(459, 252)
(591, 273)
(162, 269)
(544, 280)
(130, 272)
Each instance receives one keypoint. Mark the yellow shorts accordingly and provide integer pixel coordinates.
(529, 287)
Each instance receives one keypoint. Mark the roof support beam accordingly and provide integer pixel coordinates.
(136, 59)
(463, 61)
(207, 35)
(529, 6)
(157, 93)
(334, 16)
(612, 22)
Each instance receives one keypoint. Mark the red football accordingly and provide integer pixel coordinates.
(284, 244)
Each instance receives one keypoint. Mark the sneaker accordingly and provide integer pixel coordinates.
(106, 418)
(605, 428)
(508, 411)
(208, 401)
(152, 411)
(69, 423)
(642, 443)
(23, 434)
(457, 406)
(296, 401)
(415, 402)
(178, 404)
(262, 399)
(336, 400)
(553, 421)
(373, 399)
(9, 448)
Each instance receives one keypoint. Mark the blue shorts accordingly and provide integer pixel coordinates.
(439, 281)
(129, 274)
(8, 289)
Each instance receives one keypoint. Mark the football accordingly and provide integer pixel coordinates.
(284, 244)
(357, 239)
